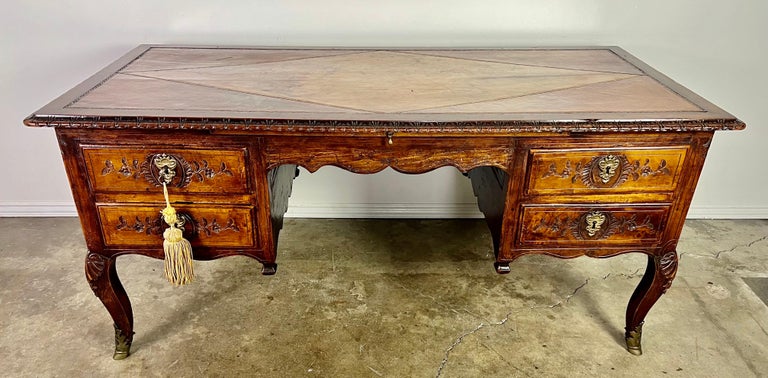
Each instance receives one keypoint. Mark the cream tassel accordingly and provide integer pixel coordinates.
(178, 251)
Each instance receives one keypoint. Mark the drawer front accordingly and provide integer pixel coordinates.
(579, 226)
(189, 170)
(604, 171)
(220, 226)
(402, 153)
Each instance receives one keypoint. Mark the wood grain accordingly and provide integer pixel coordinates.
(404, 154)
(578, 171)
(142, 226)
(569, 226)
(119, 169)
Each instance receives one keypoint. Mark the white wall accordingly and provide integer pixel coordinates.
(716, 48)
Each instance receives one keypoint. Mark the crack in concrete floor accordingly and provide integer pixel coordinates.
(747, 245)
(483, 325)
(503, 321)
(448, 306)
(434, 300)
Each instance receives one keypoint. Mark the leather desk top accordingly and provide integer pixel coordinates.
(491, 91)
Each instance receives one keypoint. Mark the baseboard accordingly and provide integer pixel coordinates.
(731, 212)
(469, 210)
(385, 210)
(368, 210)
(37, 209)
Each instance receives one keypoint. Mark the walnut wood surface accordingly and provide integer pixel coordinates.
(280, 180)
(490, 185)
(571, 152)
(578, 171)
(403, 154)
(205, 226)
(569, 225)
(116, 169)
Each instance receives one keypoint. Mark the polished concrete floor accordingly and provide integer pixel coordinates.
(386, 298)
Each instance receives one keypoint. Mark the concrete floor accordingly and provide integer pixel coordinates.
(371, 298)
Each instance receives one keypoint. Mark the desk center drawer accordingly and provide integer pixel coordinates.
(406, 154)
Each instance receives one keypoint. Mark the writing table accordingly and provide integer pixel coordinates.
(570, 152)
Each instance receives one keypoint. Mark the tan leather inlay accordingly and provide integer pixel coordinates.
(387, 82)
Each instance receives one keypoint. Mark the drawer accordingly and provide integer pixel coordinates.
(207, 226)
(604, 171)
(122, 169)
(405, 154)
(580, 226)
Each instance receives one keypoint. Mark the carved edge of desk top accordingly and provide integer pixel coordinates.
(712, 118)
(377, 127)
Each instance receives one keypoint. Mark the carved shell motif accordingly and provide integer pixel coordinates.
(94, 268)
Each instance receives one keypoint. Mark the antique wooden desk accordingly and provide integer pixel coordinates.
(571, 152)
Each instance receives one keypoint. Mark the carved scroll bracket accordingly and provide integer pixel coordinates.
(667, 264)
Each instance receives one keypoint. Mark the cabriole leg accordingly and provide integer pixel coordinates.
(102, 276)
(657, 279)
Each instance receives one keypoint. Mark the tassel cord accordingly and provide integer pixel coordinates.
(178, 251)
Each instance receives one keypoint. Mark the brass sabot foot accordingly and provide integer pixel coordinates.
(120, 355)
(633, 339)
(122, 345)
